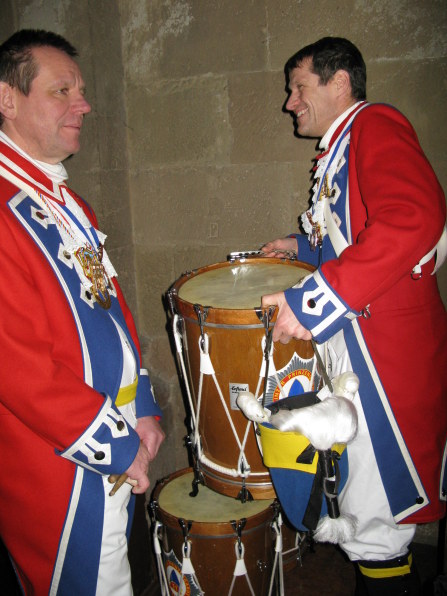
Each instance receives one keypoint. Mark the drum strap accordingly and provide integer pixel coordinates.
(158, 555)
(277, 563)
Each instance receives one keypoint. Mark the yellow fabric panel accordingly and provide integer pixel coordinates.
(281, 449)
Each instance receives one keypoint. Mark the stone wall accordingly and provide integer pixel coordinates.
(188, 154)
(213, 163)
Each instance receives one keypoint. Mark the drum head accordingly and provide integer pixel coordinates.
(240, 286)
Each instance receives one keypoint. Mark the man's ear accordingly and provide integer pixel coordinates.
(7, 101)
(342, 82)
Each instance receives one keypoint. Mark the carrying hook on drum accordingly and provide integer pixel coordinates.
(238, 526)
(265, 315)
(186, 527)
(201, 317)
(170, 294)
(152, 509)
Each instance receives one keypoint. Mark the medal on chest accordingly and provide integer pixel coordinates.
(91, 263)
(315, 224)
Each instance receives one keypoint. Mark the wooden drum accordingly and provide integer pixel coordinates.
(211, 543)
(221, 332)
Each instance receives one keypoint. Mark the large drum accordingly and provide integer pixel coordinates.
(222, 336)
(211, 543)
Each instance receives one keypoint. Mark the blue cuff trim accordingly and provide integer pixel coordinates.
(318, 307)
(108, 446)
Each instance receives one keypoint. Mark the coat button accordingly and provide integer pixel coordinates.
(311, 303)
(67, 255)
(420, 500)
(99, 455)
(40, 215)
(120, 425)
(88, 295)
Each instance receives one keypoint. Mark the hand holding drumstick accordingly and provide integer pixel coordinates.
(151, 436)
(136, 474)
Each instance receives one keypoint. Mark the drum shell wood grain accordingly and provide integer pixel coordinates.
(235, 349)
(213, 545)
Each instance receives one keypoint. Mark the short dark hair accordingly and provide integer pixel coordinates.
(17, 66)
(330, 54)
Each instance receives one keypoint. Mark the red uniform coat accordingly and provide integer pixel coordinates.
(394, 215)
(61, 367)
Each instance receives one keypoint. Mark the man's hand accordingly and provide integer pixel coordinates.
(282, 247)
(287, 325)
(138, 470)
(151, 434)
(151, 437)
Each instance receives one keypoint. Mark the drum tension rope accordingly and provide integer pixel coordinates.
(265, 315)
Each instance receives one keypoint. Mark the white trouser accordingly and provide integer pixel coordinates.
(378, 537)
(114, 570)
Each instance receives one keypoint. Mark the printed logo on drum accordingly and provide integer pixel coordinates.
(294, 379)
(178, 585)
(235, 389)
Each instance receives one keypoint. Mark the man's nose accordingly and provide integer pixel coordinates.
(292, 101)
(81, 105)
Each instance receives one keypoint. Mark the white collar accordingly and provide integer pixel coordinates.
(55, 172)
(324, 143)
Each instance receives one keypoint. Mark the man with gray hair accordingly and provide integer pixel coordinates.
(77, 408)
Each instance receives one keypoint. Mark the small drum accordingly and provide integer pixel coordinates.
(218, 318)
(211, 543)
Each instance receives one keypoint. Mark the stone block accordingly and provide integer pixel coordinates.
(182, 122)
(154, 274)
(255, 203)
(121, 258)
(170, 206)
(293, 24)
(382, 30)
(180, 39)
(112, 140)
(262, 130)
(86, 183)
(404, 84)
(159, 355)
(115, 192)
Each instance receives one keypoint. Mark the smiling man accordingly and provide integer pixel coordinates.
(76, 406)
(373, 232)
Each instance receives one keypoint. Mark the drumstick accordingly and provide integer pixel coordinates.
(118, 480)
